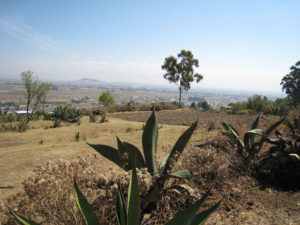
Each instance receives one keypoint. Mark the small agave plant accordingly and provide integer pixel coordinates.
(126, 152)
(248, 147)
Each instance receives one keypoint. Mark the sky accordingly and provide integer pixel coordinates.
(240, 45)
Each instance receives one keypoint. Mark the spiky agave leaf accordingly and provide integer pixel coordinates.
(133, 154)
(181, 174)
(201, 217)
(149, 140)
(108, 152)
(22, 219)
(240, 144)
(249, 134)
(187, 216)
(270, 130)
(85, 208)
(133, 201)
(178, 148)
(253, 126)
(121, 208)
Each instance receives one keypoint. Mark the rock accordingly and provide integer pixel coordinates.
(236, 189)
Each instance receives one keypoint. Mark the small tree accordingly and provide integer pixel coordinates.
(259, 103)
(106, 99)
(204, 106)
(291, 84)
(41, 92)
(181, 71)
(30, 83)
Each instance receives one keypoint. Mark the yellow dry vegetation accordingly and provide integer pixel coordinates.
(21, 153)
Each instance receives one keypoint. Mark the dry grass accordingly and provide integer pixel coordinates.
(21, 153)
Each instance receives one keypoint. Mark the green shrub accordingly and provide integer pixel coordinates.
(211, 126)
(103, 119)
(93, 118)
(10, 118)
(248, 147)
(22, 125)
(77, 136)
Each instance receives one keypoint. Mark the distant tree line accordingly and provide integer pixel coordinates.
(261, 104)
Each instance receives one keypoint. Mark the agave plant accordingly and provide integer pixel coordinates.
(248, 147)
(126, 153)
(129, 214)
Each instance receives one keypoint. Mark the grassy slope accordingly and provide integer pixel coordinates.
(20, 153)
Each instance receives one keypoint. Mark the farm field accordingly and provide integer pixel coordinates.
(245, 200)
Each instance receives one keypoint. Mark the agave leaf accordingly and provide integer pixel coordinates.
(178, 148)
(255, 123)
(133, 154)
(133, 203)
(240, 144)
(21, 219)
(289, 125)
(187, 216)
(149, 139)
(269, 131)
(181, 174)
(230, 129)
(85, 208)
(274, 126)
(108, 152)
(225, 125)
(249, 134)
(121, 208)
(236, 133)
(200, 218)
(254, 126)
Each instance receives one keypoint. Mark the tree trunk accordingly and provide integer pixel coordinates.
(27, 108)
(180, 92)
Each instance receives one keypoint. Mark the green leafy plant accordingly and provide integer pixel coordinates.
(22, 125)
(248, 146)
(93, 118)
(77, 136)
(281, 164)
(103, 119)
(129, 214)
(56, 122)
(124, 155)
(211, 126)
(10, 118)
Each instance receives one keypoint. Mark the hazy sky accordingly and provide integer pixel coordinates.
(240, 44)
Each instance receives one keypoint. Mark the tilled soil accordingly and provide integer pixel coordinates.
(188, 116)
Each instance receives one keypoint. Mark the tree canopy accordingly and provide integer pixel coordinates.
(106, 99)
(180, 71)
(41, 92)
(34, 90)
(291, 84)
(30, 83)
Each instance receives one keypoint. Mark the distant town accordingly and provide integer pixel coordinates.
(84, 93)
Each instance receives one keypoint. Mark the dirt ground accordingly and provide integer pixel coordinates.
(188, 116)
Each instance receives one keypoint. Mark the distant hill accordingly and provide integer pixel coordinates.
(89, 80)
